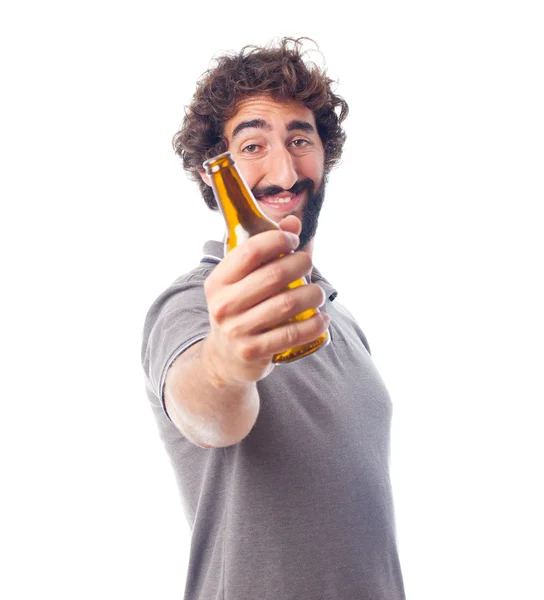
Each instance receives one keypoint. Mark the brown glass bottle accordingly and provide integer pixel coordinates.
(244, 218)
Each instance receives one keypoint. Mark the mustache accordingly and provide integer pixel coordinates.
(274, 190)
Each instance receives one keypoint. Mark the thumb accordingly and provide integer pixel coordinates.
(291, 224)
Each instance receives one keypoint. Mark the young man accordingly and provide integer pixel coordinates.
(283, 472)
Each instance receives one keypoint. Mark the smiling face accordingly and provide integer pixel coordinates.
(280, 155)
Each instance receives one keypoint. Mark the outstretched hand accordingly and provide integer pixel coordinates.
(250, 306)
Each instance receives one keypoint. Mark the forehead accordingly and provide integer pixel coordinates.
(276, 114)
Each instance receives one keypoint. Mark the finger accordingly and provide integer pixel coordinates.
(251, 254)
(278, 310)
(292, 224)
(287, 336)
(263, 283)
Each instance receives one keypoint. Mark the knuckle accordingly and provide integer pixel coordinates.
(274, 274)
(247, 352)
(218, 310)
(288, 303)
(232, 331)
(291, 334)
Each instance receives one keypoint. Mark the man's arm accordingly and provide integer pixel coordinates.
(209, 412)
(211, 391)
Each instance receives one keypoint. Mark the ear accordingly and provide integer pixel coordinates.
(205, 177)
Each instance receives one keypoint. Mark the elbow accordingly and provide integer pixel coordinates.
(211, 433)
(216, 437)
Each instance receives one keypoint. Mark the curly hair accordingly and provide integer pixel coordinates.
(280, 72)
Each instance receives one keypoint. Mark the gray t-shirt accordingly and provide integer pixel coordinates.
(301, 509)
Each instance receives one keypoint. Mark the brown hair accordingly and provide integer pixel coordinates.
(278, 71)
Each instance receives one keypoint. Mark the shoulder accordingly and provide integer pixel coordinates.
(183, 299)
(184, 286)
(177, 318)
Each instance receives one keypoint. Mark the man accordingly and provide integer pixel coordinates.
(283, 471)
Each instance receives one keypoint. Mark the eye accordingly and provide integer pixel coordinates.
(300, 143)
(250, 148)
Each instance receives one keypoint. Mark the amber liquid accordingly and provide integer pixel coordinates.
(244, 218)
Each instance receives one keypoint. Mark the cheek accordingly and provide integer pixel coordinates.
(248, 176)
(313, 167)
(250, 172)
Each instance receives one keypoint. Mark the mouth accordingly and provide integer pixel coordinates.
(282, 203)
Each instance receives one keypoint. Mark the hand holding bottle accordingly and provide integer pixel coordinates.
(250, 306)
(245, 219)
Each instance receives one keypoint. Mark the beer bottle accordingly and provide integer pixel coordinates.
(244, 218)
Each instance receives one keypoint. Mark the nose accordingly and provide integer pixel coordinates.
(281, 169)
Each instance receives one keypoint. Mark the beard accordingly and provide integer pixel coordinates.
(310, 213)
(311, 210)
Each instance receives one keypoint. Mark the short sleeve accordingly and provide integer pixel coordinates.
(176, 320)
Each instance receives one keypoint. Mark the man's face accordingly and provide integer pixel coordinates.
(280, 155)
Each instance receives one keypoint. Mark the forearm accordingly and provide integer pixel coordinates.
(208, 411)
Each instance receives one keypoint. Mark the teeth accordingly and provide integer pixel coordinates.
(278, 200)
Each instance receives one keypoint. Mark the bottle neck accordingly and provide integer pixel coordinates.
(237, 202)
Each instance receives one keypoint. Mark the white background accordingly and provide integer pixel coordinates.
(431, 232)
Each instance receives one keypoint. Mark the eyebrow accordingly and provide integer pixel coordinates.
(300, 125)
(262, 124)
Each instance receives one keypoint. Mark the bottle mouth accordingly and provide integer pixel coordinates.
(221, 161)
